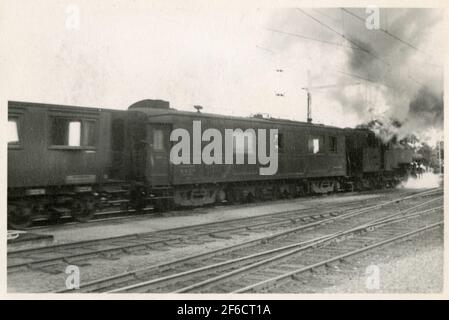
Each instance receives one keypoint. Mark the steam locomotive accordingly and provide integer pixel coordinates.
(68, 160)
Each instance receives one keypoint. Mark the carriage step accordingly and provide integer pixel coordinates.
(118, 201)
(157, 197)
(114, 191)
(61, 210)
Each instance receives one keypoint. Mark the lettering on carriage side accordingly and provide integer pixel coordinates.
(239, 144)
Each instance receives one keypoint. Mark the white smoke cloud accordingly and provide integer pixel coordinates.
(224, 58)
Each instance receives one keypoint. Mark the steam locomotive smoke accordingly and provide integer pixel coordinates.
(426, 181)
(403, 92)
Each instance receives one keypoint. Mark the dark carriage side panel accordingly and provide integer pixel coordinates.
(128, 146)
(363, 151)
(158, 170)
(41, 159)
(215, 173)
(294, 157)
(315, 152)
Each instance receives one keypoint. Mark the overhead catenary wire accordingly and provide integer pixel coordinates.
(363, 78)
(343, 36)
(266, 49)
(325, 15)
(389, 34)
(354, 45)
(400, 40)
(312, 39)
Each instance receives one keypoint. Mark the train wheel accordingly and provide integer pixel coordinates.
(250, 198)
(221, 196)
(53, 217)
(19, 216)
(230, 195)
(83, 209)
(158, 206)
(300, 191)
(259, 194)
(139, 205)
(275, 193)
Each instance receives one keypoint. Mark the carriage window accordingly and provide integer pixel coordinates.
(72, 133)
(315, 144)
(158, 139)
(13, 131)
(333, 144)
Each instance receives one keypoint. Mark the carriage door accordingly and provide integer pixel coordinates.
(159, 154)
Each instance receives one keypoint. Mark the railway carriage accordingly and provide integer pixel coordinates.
(60, 160)
(311, 158)
(68, 160)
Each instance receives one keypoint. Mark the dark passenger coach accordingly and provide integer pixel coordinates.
(72, 161)
(59, 160)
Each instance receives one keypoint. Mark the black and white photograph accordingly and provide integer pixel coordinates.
(213, 147)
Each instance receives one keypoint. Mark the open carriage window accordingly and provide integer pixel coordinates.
(13, 131)
(316, 144)
(73, 132)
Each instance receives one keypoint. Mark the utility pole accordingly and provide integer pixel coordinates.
(309, 107)
(309, 98)
(309, 95)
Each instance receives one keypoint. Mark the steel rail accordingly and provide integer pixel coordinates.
(147, 244)
(298, 247)
(104, 282)
(267, 282)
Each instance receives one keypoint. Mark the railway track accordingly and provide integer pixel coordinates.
(334, 253)
(291, 259)
(162, 277)
(109, 248)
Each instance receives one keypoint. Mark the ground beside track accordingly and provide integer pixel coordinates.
(35, 281)
(150, 223)
(412, 266)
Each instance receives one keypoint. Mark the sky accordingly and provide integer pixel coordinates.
(113, 53)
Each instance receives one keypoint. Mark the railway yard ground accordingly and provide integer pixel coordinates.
(98, 229)
(388, 241)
